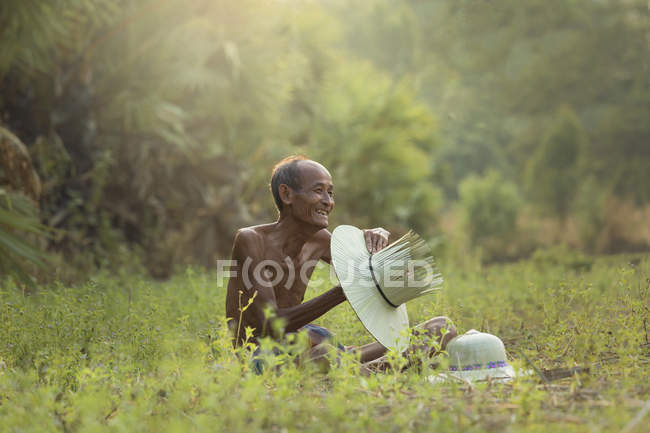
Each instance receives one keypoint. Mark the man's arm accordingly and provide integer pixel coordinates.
(248, 248)
(300, 315)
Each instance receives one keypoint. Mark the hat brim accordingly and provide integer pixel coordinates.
(385, 323)
(501, 374)
(505, 373)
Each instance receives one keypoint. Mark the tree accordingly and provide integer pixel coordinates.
(552, 172)
(490, 206)
(378, 141)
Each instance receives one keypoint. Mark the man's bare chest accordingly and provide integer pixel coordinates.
(289, 277)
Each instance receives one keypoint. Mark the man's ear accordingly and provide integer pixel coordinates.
(286, 194)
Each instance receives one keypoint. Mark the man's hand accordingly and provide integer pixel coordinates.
(376, 239)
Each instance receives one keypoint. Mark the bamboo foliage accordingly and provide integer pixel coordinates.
(19, 224)
(154, 106)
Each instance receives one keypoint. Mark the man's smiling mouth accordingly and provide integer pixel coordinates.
(322, 212)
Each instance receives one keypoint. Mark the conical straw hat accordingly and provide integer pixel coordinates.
(378, 285)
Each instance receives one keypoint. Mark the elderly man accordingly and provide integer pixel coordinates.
(272, 263)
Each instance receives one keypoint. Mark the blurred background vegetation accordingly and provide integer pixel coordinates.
(148, 129)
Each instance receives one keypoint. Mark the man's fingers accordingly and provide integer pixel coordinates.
(379, 242)
(376, 239)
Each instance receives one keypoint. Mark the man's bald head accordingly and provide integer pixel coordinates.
(288, 172)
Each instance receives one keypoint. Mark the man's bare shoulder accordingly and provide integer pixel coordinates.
(247, 240)
(259, 230)
(251, 239)
(323, 236)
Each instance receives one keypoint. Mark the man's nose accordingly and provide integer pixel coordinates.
(328, 200)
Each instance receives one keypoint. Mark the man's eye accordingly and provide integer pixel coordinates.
(330, 193)
(318, 190)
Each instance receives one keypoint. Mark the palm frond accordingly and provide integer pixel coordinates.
(19, 222)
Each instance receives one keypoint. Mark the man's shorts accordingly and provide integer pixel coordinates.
(316, 334)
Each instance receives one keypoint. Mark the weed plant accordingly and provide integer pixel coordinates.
(124, 353)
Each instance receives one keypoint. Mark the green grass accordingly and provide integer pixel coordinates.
(123, 353)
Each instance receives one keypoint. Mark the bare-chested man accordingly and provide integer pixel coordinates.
(273, 262)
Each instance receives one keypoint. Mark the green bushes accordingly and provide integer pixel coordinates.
(552, 176)
(490, 207)
(377, 139)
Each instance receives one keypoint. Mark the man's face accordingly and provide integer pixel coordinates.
(314, 201)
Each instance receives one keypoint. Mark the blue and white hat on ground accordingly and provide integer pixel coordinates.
(475, 356)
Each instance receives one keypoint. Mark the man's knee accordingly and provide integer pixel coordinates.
(449, 333)
(320, 351)
(320, 356)
(442, 328)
